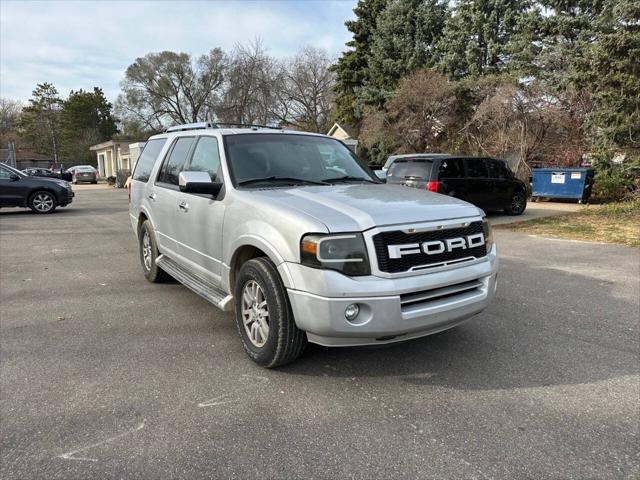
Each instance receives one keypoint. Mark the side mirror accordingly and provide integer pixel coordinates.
(381, 174)
(14, 177)
(198, 182)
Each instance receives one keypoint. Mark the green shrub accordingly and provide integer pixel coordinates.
(611, 185)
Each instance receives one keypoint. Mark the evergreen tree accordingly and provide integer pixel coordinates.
(404, 41)
(351, 69)
(482, 36)
(566, 33)
(614, 79)
(85, 119)
(40, 120)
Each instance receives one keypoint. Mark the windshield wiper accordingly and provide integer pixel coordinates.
(290, 180)
(349, 178)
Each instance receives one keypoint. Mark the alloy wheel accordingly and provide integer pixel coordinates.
(517, 203)
(255, 313)
(146, 250)
(43, 202)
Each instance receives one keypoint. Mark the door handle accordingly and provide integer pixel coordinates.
(152, 196)
(184, 206)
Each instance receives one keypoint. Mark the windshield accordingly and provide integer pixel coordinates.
(256, 160)
(13, 170)
(402, 170)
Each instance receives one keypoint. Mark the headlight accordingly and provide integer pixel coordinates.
(345, 252)
(488, 234)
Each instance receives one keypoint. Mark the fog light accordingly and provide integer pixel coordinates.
(351, 312)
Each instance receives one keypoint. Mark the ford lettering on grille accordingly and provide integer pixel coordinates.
(399, 251)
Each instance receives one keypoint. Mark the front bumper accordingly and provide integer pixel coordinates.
(66, 198)
(388, 310)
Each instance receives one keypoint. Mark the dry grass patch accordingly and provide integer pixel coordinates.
(612, 223)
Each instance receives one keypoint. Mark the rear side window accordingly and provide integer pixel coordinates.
(206, 157)
(498, 169)
(175, 161)
(452, 168)
(403, 169)
(476, 167)
(147, 159)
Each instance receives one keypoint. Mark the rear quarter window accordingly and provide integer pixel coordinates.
(147, 159)
(451, 168)
(476, 167)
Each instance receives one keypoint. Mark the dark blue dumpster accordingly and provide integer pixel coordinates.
(562, 183)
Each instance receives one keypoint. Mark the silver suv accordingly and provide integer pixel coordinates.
(293, 232)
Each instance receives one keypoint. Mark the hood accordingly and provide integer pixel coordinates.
(350, 208)
(47, 181)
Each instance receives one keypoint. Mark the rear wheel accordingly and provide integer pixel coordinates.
(149, 254)
(517, 204)
(263, 315)
(43, 202)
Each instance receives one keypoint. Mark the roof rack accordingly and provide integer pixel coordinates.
(191, 126)
(204, 125)
(250, 125)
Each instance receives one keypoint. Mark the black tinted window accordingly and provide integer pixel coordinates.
(476, 167)
(148, 159)
(206, 157)
(496, 170)
(175, 161)
(452, 168)
(402, 169)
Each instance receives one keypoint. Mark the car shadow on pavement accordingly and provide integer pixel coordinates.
(66, 211)
(526, 338)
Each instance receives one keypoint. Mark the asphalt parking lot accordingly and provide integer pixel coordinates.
(104, 375)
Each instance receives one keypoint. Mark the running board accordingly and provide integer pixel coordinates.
(195, 283)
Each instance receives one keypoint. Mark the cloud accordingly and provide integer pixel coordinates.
(85, 44)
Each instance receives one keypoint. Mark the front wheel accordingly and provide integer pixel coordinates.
(43, 202)
(149, 254)
(517, 204)
(263, 315)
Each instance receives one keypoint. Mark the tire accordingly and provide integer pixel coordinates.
(42, 201)
(149, 253)
(283, 342)
(94, 183)
(517, 204)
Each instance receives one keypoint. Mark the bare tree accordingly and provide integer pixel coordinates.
(169, 87)
(417, 118)
(422, 109)
(10, 111)
(512, 122)
(304, 91)
(249, 86)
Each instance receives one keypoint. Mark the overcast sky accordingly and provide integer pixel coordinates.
(81, 44)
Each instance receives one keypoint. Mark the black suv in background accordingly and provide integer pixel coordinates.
(486, 182)
(43, 172)
(40, 194)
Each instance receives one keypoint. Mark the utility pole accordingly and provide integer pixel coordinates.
(11, 156)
